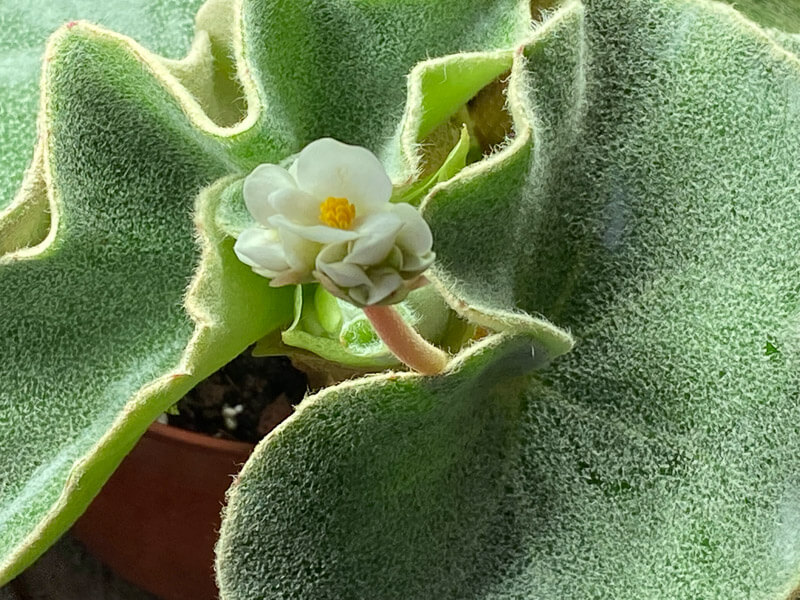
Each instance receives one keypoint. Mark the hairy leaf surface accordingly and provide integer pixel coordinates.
(163, 25)
(647, 203)
(120, 291)
(98, 333)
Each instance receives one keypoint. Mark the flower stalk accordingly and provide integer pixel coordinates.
(330, 218)
(405, 342)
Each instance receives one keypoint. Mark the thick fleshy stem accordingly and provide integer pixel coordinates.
(405, 342)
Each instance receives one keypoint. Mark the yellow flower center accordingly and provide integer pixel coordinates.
(337, 212)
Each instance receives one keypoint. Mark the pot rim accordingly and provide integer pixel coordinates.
(184, 437)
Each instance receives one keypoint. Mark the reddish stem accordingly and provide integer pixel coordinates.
(405, 342)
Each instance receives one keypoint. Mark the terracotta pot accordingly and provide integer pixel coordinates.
(156, 520)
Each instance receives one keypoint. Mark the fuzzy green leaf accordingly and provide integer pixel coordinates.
(98, 333)
(657, 190)
(455, 160)
(648, 203)
(783, 15)
(339, 69)
(378, 480)
(163, 25)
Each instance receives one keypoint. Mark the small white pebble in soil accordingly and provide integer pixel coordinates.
(229, 414)
(163, 419)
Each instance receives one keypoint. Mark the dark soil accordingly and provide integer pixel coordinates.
(244, 400)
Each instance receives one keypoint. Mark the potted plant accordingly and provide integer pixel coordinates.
(155, 521)
(613, 410)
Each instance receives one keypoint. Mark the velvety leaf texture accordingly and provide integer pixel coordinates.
(95, 339)
(339, 69)
(783, 15)
(163, 25)
(119, 290)
(82, 292)
(423, 473)
(647, 203)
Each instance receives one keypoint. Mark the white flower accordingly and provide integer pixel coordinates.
(329, 218)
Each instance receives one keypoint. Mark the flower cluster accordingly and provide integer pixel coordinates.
(329, 218)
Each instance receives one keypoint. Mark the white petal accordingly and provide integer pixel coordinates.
(332, 253)
(290, 278)
(343, 274)
(376, 239)
(265, 273)
(416, 264)
(383, 285)
(300, 253)
(359, 294)
(327, 167)
(263, 181)
(331, 287)
(380, 224)
(295, 205)
(415, 237)
(261, 249)
(314, 233)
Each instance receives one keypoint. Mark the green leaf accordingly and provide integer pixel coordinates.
(98, 333)
(26, 221)
(412, 480)
(232, 215)
(138, 156)
(647, 203)
(453, 163)
(655, 200)
(163, 25)
(339, 69)
(437, 91)
(340, 333)
(779, 14)
(452, 81)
